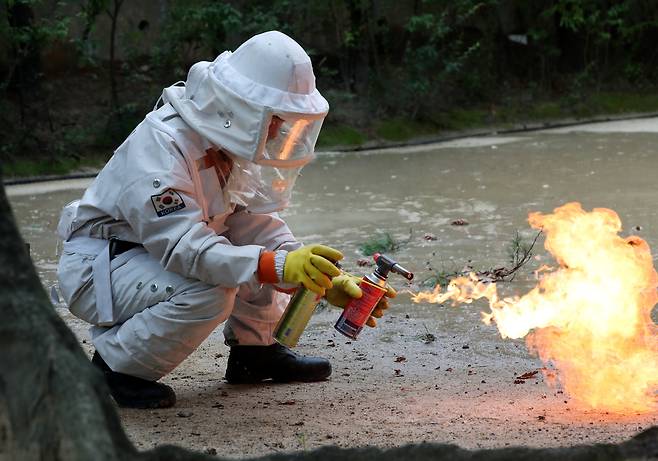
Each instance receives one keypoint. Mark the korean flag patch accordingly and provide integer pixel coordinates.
(167, 202)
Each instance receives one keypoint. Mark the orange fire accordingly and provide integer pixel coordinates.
(590, 317)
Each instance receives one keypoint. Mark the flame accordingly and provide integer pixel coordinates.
(590, 316)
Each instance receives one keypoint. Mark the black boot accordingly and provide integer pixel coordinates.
(253, 364)
(132, 392)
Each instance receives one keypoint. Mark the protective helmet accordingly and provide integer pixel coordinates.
(259, 103)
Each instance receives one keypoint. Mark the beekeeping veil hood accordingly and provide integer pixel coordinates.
(260, 105)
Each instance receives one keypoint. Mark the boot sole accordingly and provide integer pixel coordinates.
(280, 380)
(310, 379)
(145, 404)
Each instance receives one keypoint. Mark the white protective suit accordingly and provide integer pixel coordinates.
(200, 234)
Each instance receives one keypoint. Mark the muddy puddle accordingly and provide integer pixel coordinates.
(446, 205)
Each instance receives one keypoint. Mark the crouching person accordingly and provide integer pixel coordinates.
(179, 232)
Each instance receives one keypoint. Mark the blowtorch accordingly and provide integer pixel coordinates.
(373, 286)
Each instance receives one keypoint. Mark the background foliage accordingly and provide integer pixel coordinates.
(77, 75)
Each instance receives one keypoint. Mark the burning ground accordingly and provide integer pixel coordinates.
(590, 317)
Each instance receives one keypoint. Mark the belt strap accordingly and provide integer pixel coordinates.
(100, 273)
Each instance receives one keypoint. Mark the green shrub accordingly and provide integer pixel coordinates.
(402, 129)
(381, 243)
(340, 135)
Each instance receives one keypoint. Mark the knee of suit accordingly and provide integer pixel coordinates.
(203, 301)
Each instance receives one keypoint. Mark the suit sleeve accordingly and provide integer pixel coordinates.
(161, 207)
(267, 230)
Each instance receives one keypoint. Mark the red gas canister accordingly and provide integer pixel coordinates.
(373, 286)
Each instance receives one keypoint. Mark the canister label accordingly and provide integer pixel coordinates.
(296, 316)
(358, 310)
(356, 313)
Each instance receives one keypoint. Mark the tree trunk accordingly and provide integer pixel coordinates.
(54, 404)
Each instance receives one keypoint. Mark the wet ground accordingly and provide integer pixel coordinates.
(398, 384)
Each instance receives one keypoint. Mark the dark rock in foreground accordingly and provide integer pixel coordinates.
(643, 446)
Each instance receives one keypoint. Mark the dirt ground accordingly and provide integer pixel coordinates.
(389, 388)
(428, 372)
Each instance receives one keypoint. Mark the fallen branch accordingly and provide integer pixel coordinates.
(520, 255)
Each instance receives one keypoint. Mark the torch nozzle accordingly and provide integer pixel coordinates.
(402, 271)
(386, 265)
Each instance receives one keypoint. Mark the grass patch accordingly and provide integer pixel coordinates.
(618, 102)
(44, 167)
(546, 110)
(89, 140)
(340, 135)
(439, 278)
(402, 130)
(381, 243)
(462, 119)
(26, 168)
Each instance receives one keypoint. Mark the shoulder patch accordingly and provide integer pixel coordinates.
(167, 202)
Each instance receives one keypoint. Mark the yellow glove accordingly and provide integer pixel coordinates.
(312, 266)
(346, 286)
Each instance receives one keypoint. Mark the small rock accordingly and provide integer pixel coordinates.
(400, 358)
(429, 236)
(459, 222)
(184, 414)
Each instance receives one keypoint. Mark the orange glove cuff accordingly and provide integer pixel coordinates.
(266, 271)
